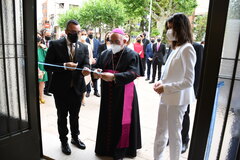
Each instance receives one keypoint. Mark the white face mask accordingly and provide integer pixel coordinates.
(115, 48)
(170, 35)
(84, 37)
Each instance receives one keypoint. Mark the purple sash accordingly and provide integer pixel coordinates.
(127, 112)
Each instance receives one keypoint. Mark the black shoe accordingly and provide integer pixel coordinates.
(66, 149)
(146, 79)
(78, 143)
(47, 94)
(87, 94)
(151, 82)
(184, 147)
(97, 94)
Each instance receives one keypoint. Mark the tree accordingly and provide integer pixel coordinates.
(199, 29)
(162, 9)
(96, 13)
(136, 13)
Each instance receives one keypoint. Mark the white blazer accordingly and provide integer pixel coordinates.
(178, 76)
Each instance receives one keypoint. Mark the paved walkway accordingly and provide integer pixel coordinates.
(88, 119)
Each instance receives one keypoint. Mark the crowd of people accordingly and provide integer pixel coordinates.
(73, 64)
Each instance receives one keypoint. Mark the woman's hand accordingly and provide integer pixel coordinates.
(158, 87)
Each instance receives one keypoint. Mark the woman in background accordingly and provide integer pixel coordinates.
(82, 39)
(128, 43)
(42, 75)
(138, 47)
(106, 44)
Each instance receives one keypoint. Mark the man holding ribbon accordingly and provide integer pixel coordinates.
(68, 83)
(118, 134)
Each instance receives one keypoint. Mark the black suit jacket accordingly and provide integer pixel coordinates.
(102, 48)
(158, 54)
(198, 66)
(61, 78)
(145, 43)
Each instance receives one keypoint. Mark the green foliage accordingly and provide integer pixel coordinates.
(107, 14)
(166, 8)
(135, 8)
(96, 13)
(155, 32)
(199, 29)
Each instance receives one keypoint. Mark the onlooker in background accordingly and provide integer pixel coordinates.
(138, 47)
(129, 44)
(98, 36)
(175, 88)
(106, 44)
(159, 50)
(186, 119)
(46, 36)
(95, 44)
(42, 76)
(145, 42)
(119, 133)
(68, 84)
(62, 35)
(82, 39)
(149, 57)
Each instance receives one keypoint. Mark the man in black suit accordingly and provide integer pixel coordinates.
(186, 119)
(159, 50)
(68, 84)
(145, 42)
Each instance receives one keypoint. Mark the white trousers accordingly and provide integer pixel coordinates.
(169, 126)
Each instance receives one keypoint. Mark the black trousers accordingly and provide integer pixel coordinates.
(185, 126)
(156, 65)
(149, 64)
(94, 81)
(68, 102)
(144, 63)
(47, 83)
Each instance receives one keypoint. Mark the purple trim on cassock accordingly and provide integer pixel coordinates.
(127, 112)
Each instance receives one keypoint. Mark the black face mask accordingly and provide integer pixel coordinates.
(90, 36)
(152, 41)
(159, 40)
(139, 41)
(38, 39)
(108, 39)
(47, 38)
(72, 37)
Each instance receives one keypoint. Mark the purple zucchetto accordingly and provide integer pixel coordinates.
(118, 30)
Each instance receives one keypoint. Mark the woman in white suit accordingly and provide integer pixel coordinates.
(175, 87)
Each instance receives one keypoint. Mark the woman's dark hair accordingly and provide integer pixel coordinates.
(169, 20)
(106, 35)
(129, 40)
(181, 29)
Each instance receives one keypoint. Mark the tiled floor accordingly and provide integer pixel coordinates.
(88, 118)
